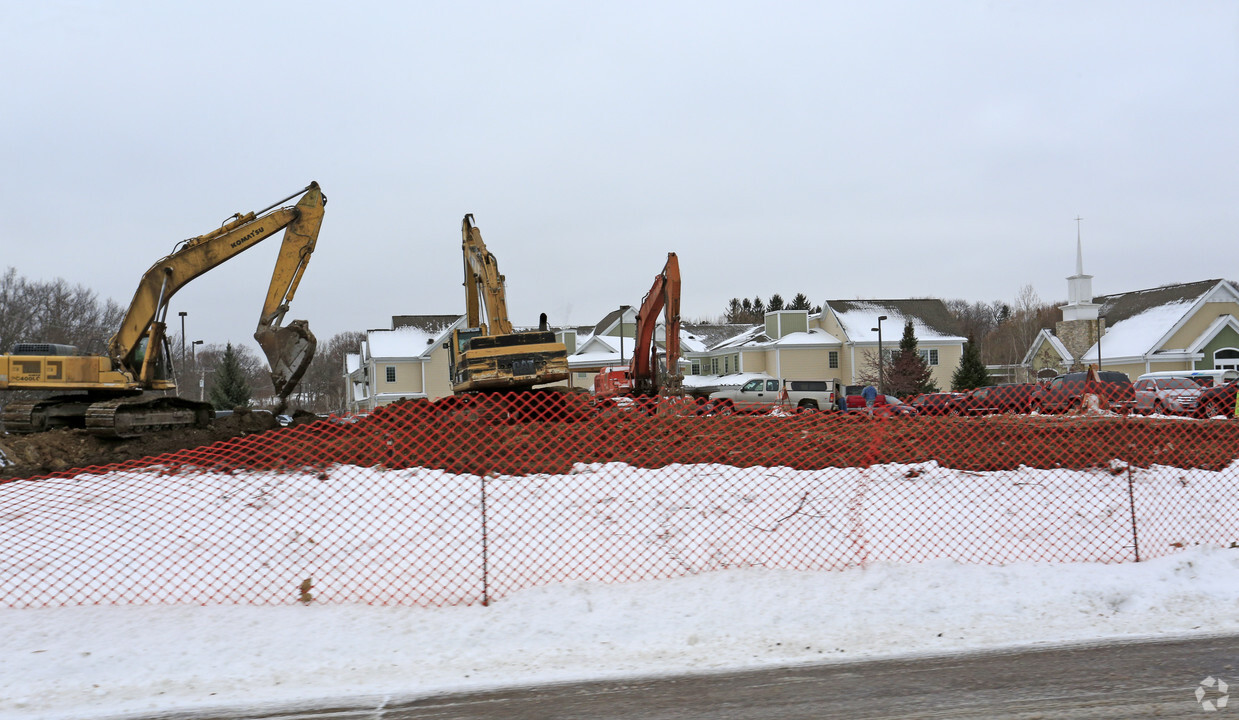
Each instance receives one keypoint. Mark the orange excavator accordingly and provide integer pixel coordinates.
(645, 376)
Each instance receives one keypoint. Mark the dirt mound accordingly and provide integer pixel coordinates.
(57, 450)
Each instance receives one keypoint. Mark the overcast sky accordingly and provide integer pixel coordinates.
(844, 150)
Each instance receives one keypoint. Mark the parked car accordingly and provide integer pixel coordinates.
(1065, 392)
(1217, 400)
(761, 395)
(1203, 378)
(1167, 395)
(883, 406)
(934, 403)
(1011, 398)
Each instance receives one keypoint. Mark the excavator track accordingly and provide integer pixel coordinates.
(59, 411)
(136, 416)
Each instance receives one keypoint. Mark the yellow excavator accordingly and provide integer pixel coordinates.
(490, 356)
(127, 392)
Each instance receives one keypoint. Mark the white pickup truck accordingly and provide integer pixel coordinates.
(762, 395)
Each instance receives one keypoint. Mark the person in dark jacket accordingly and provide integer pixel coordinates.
(870, 394)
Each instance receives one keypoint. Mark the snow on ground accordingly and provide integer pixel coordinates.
(100, 660)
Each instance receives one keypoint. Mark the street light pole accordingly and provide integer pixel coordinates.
(881, 359)
(1101, 319)
(182, 314)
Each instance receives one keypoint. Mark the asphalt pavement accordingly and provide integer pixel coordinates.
(1136, 679)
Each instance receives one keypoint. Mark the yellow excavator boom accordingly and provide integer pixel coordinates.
(288, 350)
(104, 394)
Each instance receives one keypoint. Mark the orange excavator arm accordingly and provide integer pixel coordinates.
(664, 295)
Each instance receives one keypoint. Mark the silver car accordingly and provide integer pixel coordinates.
(1167, 396)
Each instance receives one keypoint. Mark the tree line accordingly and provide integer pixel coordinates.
(744, 310)
(56, 311)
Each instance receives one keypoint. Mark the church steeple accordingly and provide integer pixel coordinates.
(1080, 305)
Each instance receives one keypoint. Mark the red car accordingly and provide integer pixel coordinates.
(1065, 393)
(935, 403)
(1011, 398)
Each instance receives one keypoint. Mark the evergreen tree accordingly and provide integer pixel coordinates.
(971, 372)
(800, 302)
(734, 310)
(776, 303)
(759, 310)
(909, 374)
(231, 389)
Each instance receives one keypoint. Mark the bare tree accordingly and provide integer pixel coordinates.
(323, 387)
(55, 312)
(1009, 341)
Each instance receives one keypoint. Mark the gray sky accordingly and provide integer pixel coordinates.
(845, 150)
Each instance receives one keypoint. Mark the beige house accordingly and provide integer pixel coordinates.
(1185, 326)
(408, 361)
(837, 343)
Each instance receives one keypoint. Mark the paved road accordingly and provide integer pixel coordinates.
(1124, 680)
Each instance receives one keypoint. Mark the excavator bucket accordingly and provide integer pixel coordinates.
(289, 351)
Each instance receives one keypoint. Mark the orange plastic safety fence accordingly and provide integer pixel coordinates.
(469, 499)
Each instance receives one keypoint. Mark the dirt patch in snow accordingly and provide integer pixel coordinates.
(60, 450)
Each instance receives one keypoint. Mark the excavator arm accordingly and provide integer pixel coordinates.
(288, 349)
(664, 295)
(484, 286)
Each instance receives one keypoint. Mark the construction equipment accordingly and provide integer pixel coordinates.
(645, 376)
(116, 395)
(487, 355)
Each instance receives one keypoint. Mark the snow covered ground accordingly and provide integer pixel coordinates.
(100, 660)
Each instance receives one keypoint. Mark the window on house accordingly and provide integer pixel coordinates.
(1226, 359)
(929, 356)
(834, 360)
(391, 373)
(695, 368)
(726, 365)
(714, 366)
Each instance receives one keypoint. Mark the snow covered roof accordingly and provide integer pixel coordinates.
(1137, 335)
(403, 342)
(813, 338)
(1137, 323)
(429, 323)
(931, 321)
(707, 336)
(751, 337)
(721, 381)
(352, 362)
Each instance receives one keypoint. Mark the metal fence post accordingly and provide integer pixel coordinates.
(485, 566)
(1131, 496)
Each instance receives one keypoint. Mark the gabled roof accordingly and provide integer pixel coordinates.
(1046, 336)
(708, 336)
(931, 321)
(1121, 306)
(1138, 323)
(407, 341)
(612, 319)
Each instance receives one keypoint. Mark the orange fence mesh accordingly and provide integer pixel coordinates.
(465, 501)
